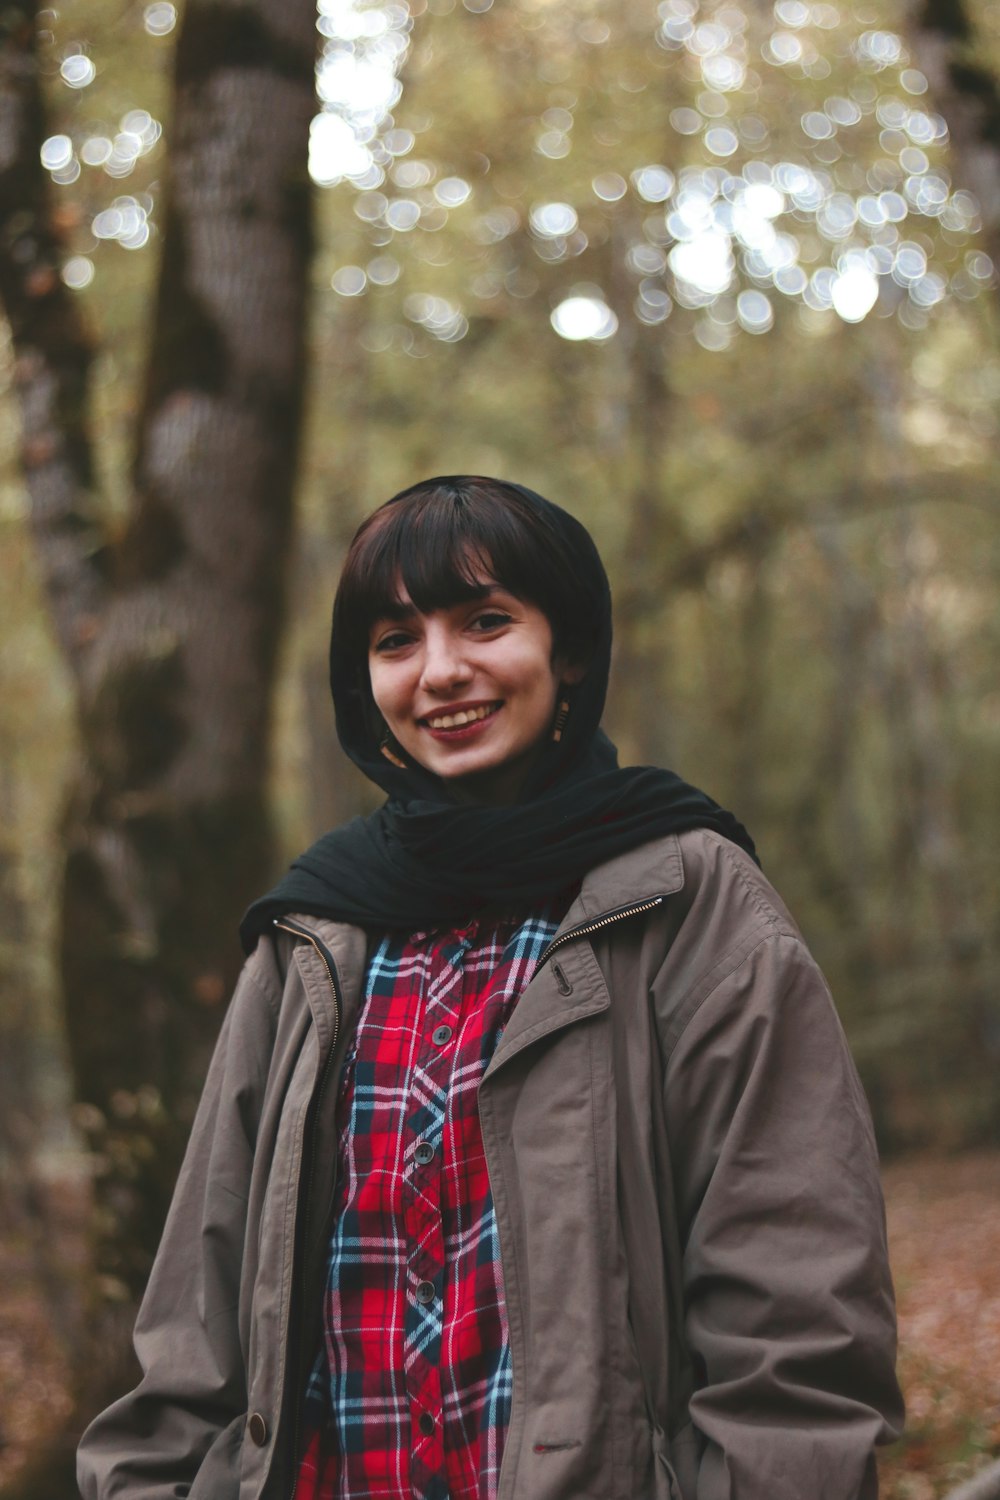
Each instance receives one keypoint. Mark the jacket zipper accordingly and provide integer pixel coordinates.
(619, 914)
(586, 928)
(331, 969)
(607, 919)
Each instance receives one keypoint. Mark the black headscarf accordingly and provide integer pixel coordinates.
(425, 859)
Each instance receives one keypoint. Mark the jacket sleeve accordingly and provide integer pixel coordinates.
(188, 1411)
(789, 1312)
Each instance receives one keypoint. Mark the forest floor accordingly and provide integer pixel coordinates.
(944, 1232)
(944, 1239)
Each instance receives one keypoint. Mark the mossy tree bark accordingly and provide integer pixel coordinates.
(171, 627)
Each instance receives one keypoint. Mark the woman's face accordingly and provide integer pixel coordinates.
(469, 691)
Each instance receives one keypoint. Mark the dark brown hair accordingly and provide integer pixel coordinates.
(438, 539)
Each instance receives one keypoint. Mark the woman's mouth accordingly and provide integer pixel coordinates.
(461, 719)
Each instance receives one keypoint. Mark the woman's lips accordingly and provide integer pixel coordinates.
(461, 723)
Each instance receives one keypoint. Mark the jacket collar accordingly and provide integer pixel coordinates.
(653, 869)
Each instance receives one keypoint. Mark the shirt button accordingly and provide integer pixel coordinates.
(426, 1424)
(425, 1292)
(424, 1153)
(257, 1428)
(441, 1035)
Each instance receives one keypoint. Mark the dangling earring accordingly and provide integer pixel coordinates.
(562, 714)
(390, 754)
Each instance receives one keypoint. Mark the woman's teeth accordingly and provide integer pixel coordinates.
(464, 716)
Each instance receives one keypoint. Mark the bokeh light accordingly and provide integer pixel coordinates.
(77, 70)
(160, 18)
(584, 316)
(746, 213)
(78, 272)
(854, 293)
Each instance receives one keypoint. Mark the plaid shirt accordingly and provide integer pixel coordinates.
(410, 1395)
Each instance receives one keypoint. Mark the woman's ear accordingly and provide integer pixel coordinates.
(570, 673)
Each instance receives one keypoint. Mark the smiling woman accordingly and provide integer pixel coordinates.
(532, 1162)
(467, 679)
(469, 691)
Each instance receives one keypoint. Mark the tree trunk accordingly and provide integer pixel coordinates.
(171, 629)
(638, 410)
(967, 93)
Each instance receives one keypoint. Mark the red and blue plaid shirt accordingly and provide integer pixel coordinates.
(410, 1395)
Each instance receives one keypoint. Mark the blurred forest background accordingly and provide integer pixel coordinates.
(718, 277)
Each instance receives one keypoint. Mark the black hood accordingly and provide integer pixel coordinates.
(581, 749)
(427, 860)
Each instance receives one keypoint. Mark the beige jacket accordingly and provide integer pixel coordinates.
(687, 1198)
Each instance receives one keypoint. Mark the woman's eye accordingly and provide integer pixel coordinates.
(492, 619)
(392, 642)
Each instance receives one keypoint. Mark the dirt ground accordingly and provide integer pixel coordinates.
(944, 1238)
(944, 1232)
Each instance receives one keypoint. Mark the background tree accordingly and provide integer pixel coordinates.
(169, 616)
(958, 46)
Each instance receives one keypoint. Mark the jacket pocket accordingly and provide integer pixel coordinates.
(219, 1475)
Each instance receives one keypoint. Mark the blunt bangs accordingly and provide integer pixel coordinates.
(441, 542)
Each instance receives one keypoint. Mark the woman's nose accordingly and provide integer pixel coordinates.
(445, 663)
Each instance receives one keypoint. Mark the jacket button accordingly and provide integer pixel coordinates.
(440, 1035)
(424, 1153)
(426, 1424)
(425, 1292)
(257, 1429)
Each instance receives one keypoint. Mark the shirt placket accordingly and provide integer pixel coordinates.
(422, 1207)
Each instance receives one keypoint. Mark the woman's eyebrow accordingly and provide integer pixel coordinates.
(400, 610)
(396, 611)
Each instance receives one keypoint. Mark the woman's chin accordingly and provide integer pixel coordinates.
(494, 785)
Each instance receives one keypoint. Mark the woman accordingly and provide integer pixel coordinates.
(531, 1162)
